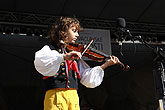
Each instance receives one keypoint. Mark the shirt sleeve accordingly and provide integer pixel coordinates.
(47, 61)
(90, 77)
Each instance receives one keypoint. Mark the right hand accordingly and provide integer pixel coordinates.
(72, 55)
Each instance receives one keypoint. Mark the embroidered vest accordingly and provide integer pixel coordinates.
(63, 79)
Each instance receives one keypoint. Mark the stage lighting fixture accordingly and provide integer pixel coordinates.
(37, 32)
(16, 30)
(154, 39)
(148, 39)
(1, 30)
(29, 32)
(8, 30)
(44, 32)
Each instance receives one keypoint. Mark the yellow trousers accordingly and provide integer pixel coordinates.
(61, 99)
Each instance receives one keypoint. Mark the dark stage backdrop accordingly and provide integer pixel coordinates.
(22, 88)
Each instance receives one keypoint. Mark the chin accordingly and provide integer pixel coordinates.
(73, 41)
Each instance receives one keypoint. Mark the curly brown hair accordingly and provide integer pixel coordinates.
(59, 30)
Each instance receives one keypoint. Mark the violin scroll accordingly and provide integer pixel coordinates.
(124, 67)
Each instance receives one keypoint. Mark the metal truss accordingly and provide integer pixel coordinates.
(26, 21)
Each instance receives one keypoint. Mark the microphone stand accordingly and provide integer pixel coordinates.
(158, 70)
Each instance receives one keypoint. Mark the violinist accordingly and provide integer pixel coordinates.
(62, 69)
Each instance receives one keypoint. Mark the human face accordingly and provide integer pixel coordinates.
(72, 35)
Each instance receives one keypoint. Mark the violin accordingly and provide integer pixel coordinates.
(93, 54)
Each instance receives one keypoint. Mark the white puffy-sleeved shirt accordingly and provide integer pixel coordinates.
(47, 63)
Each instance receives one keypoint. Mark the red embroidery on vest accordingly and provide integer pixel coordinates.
(45, 77)
(73, 65)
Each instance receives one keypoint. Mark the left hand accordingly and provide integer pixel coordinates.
(112, 61)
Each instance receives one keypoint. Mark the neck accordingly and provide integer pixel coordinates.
(63, 44)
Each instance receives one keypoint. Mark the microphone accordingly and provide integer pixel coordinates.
(121, 32)
(120, 22)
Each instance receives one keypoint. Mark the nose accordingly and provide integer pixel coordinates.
(77, 34)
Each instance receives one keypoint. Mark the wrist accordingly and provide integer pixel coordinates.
(103, 66)
(64, 56)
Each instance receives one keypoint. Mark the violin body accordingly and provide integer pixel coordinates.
(90, 53)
